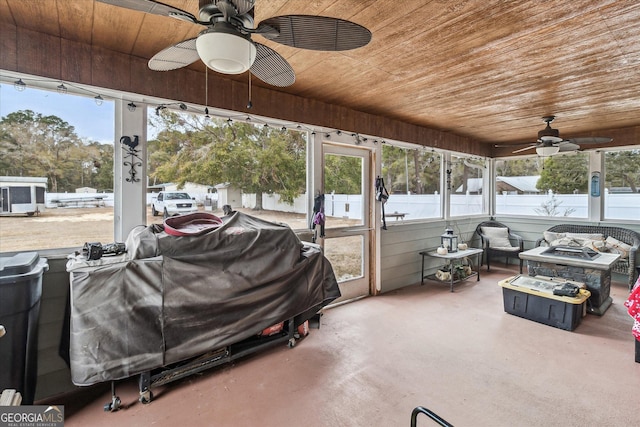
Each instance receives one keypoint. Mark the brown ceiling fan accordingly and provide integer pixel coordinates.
(549, 141)
(225, 45)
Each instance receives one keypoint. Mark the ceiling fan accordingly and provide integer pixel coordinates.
(225, 45)
(550, 142)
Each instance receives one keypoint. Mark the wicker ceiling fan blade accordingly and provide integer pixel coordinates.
(154, 8)
(590, 140)
(525, 149)
(272, 68)
(243, 6)
(177, 56)
(318, 32)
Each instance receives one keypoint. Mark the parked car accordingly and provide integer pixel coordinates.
(172, 203)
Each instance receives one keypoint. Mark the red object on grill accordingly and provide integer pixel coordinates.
(192, 224)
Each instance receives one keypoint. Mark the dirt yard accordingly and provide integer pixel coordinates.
(72, 227)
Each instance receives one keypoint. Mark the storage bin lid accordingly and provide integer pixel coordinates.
(21, 264)
(535, 285)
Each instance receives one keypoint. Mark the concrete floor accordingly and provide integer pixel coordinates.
(374, 360)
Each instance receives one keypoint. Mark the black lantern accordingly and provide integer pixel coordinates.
(449, 240)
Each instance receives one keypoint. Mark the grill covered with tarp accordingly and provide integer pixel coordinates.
(171, 298)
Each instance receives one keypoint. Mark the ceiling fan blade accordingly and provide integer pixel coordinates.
(271, 67)
(568, 146)
(266, 31)
(318, 32)
(590, 140)
(512, 145)
(153, 7)
(177, 56)
(243, 6)
(525, 149)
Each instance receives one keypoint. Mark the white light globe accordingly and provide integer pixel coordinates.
(225, 52)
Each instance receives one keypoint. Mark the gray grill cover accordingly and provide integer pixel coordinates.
(172, 298)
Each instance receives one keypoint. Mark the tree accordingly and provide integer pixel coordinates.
(32, 144)
(518, 167)
(100, 168)
(565, 174)
(410, 170)
(342, 174)
(623, 169)
(255, 158)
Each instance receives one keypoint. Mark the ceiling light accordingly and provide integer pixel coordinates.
(225, 50)
(131, 106)
(547, 151)
(19, 85)
(62, 89)
(99, 100)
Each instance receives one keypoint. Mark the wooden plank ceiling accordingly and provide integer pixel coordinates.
(483, 69)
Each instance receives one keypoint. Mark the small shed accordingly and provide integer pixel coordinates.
(517, 184)
(22, 195)
(229, 195)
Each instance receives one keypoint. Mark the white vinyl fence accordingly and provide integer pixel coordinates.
(414, 206)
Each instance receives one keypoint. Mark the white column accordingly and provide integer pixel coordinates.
(130, 171)
(596, 205)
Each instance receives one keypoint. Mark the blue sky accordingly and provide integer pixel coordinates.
(91, 122)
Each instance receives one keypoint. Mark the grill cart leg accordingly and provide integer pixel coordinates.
(146, 396)
(114, 405)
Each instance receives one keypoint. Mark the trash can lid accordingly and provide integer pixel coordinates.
(21, 263)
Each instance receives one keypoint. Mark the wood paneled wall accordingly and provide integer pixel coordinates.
(54, 57)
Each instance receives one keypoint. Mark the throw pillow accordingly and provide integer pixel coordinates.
(498, 237)
(550, 236)
(587, 236)
(615, 246)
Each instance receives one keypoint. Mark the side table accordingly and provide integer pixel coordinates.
(451, 258)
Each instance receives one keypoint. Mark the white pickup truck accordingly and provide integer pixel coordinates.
(172, 203)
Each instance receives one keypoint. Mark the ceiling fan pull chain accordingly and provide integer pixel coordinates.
(249, 104)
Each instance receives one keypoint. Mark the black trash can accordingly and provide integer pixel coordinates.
(20, 293)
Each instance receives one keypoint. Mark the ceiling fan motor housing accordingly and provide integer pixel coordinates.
(225, 50)
(549, 134)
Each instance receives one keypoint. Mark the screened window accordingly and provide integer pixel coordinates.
(412, 178)
(67, 141)
(550, 187)
(465, 179)
(622, 184)
(255, 168)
